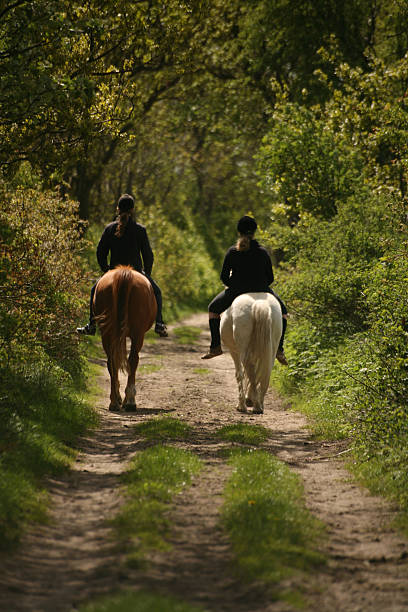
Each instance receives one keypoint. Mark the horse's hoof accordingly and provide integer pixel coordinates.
(242, 409)
(248, 402)
(257, 411)
(130, 407)
(115, 408)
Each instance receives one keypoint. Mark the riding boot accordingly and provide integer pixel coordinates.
(280, 355)
(215, 348)
(215, 332)
(90, 328)
(282, 338)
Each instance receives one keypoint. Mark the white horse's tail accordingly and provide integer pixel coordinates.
(259, 355)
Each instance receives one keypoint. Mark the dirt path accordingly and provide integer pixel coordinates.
(62, 564)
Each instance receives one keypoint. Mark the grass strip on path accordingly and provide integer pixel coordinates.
(139, 601)
(165, 428)
(243, 433)
(153, 478)
(272, 533)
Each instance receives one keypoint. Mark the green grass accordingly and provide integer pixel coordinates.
(165, 428)
(244, 434)
(187, 334)
(139, 601)
(384, 473)
(201, 371)
(149, 368)
(153, 478)
(38, 432)
(272, 533)
(22, 500)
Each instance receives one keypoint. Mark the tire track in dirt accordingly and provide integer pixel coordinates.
(73, 558)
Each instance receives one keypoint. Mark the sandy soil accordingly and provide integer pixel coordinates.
(73, 558)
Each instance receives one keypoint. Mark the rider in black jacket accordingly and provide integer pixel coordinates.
(247, 268)
(128, 244)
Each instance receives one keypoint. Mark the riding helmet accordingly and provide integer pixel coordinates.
(246, 225)
(125, 202)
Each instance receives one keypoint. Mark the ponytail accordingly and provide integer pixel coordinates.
(244, 242)
(123, 218)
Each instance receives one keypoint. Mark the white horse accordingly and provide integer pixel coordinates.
(251, 329)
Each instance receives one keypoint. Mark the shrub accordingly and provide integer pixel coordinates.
(41, 364)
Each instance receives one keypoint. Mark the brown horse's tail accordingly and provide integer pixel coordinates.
(114, 320)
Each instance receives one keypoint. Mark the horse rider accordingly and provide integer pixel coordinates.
(129, 245)
(247, 268)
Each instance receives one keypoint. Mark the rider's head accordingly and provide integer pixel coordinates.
(125, 207)
(125, 203)
(246, 226)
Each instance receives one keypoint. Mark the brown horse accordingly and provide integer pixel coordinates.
(125, 307)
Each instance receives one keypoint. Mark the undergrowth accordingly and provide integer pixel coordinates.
(38, 431)
(42, 371)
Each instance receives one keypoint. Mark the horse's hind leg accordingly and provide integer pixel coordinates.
(130, 391)
(239, 375)
(251, 393)
(254, 396)
(115, 399)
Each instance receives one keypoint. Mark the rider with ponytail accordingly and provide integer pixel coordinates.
(128, 245)
(247, 268)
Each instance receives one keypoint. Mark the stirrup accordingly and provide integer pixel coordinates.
(88, 330)
(213, 352)
(161, 329)
(280, 356)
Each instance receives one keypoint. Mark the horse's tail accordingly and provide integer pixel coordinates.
(114, 320)
(260, 350)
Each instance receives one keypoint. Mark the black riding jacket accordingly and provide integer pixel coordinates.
(246, 271)
(131, 249)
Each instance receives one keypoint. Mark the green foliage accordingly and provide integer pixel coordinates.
(40, 267)
(306, 168)
(41, 365)
(385, 473)
(329, 283)
(166, 428)
(154, 476)
(346, 276)
(244, 433)
(172, 103)
(141, 601)
(272, 532)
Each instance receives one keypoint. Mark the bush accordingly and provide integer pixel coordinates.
(41, 364)
(40, 271)
(346, 269)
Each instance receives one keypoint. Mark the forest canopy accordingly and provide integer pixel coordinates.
(203, 111)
